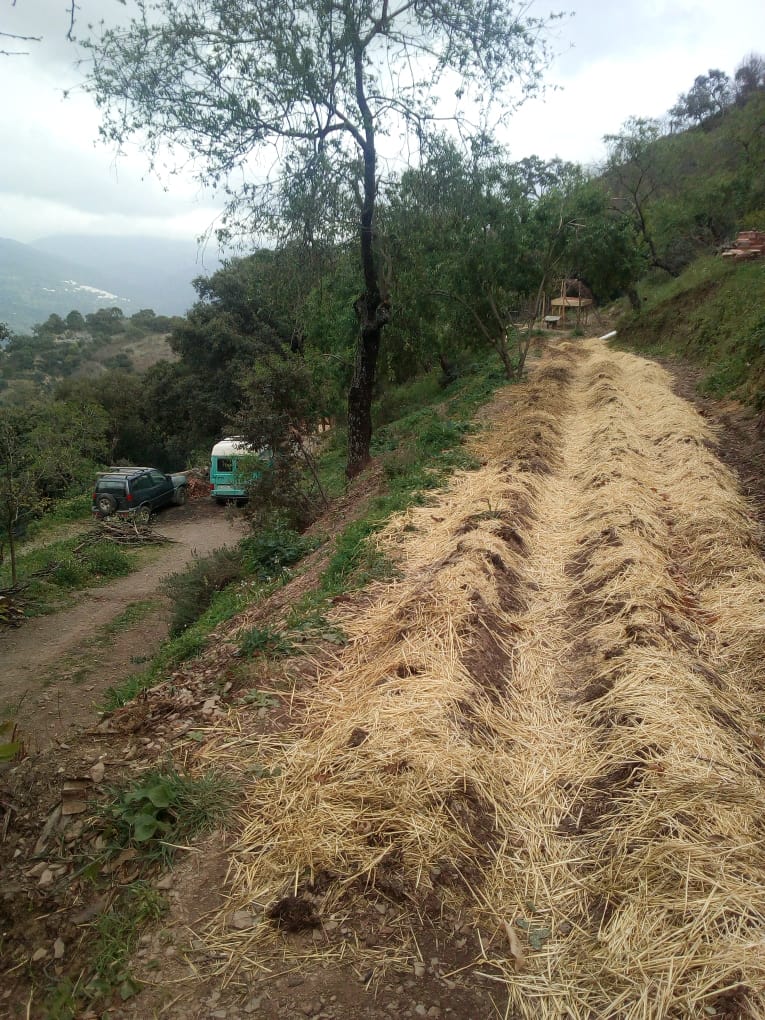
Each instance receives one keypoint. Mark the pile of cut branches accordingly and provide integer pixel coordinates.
(127, 531)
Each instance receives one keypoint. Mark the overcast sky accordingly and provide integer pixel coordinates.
(616, 58)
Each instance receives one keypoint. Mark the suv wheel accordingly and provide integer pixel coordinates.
(181, 495)
(143, 514)
(106, 504)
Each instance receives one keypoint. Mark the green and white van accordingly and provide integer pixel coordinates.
(228, 473)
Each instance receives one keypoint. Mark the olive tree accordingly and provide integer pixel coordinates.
(283, 105)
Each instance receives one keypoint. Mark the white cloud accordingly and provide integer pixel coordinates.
(616, 59)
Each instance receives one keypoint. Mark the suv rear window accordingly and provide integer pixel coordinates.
(110, 485)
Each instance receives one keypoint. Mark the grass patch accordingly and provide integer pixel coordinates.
(117, 934)
(712, 315)
(61, 512)
(130, 617)
(165, 807)
(50, 572)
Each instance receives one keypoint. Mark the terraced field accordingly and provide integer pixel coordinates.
(541, 752)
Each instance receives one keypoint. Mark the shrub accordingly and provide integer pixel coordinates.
(265, 641)
(268, 552)
(107, 560)
(167, 807)
(191, 591)
(71, 573)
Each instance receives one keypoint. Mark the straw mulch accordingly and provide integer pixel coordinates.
(543, 742)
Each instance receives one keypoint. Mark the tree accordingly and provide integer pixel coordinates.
(75, 321)
(710, 94)
(46, 451)
(634, 172)
(314, 83)
(17, 37)
(749, 77)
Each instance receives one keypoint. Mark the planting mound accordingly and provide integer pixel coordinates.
(541, 750)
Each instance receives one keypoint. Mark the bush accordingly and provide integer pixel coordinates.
(71, 573)
(268, 552)
(191, 591)
(265, 641)
(107, 560)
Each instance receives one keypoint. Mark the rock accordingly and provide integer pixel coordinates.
(58, 949)
(37, 870)
(253, 1005)
(39, 954)
(97, 772)
(241, 920)
(419, 969)
(46, 878)
(434, 1011)
(166, 882)
(420, 1009)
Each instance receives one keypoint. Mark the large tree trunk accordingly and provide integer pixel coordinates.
(372, 310)
(361, 390)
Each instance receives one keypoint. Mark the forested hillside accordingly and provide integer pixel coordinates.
(470, 248)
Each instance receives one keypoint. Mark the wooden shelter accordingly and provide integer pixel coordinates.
(573, 295)
(561, 305)
(750, 244)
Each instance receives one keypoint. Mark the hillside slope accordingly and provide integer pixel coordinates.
(713, 315)
(529, 784)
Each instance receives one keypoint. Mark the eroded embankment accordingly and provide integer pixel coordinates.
(543, 735)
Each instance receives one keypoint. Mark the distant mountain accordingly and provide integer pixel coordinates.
(65, 272)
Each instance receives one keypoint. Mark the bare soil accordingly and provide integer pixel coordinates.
(55, 670)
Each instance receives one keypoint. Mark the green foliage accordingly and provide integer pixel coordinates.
(117, 935)
(104, 560)
(267, 642)
(166, 807)
(191, 590)
(269, 551)
(10, 748)
(713, 315)
(280, 415)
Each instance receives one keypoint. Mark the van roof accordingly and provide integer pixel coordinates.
(230, 447)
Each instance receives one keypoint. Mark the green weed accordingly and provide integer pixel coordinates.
(267, 642)
(166, 807)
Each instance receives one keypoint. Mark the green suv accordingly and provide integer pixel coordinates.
(136, 491)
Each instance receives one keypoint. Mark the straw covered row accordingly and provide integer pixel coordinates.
(540, 749)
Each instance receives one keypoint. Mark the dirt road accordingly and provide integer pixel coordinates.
(54, 669)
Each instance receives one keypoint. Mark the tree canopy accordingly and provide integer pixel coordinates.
(283, 105)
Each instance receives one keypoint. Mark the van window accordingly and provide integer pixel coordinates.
(225, 464)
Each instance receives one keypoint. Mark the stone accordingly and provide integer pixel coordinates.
(420, 1009)
(419, 969)
(46, 878)
(166, 882)
(58, 949)
(39, 954)
(241, 920)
